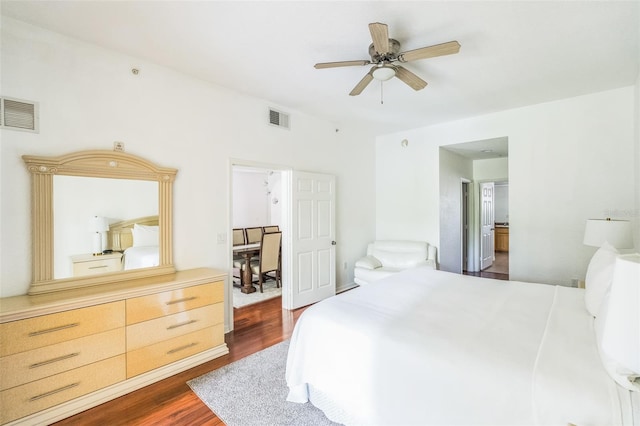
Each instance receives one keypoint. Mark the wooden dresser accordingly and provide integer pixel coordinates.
(65, 352)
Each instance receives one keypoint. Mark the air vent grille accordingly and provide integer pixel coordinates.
(278, 118)
(19, 114)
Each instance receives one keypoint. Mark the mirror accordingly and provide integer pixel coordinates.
(99, 217)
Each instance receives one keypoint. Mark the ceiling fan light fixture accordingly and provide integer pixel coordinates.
(384, 73)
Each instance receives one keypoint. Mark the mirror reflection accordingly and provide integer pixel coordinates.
(104, 225)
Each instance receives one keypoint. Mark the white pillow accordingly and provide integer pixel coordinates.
(618, 373)
(145, 235)
(599, 277)
(368, 262)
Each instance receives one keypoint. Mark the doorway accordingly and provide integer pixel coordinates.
(256, 196)
(258, 199)
(464, 168)
(306, 215)
(501, 224)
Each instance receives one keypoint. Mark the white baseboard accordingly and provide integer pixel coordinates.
(346, 287)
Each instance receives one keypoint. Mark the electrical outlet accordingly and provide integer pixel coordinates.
(118, 146)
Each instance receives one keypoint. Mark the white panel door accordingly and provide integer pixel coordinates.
(487, 249)
(313, 238)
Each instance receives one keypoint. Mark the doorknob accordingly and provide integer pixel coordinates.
(333, 243)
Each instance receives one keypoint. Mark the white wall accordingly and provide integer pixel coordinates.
(491, 169)
(569, 160)
(453, 168)
(251, 206)
(89, 98)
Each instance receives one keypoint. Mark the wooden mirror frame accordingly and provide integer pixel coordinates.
(100, 164)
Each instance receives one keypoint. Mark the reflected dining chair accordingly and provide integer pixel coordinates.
(270, 228)
(269, 260)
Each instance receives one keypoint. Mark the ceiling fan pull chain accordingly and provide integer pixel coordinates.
(381, 94)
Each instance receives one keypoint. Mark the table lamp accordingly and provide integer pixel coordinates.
(98, 225)
(615, 232)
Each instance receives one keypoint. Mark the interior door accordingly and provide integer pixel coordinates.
(487, 249)
(313, 238)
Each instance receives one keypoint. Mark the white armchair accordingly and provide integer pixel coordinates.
(390, 256)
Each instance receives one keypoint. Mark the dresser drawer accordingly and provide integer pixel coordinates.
(23, 400)
(38, 363)
(170, 302)
(163, 353)
(84, 265)
(45, 330)
(164, 328)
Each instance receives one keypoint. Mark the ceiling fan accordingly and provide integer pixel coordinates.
(385, 55)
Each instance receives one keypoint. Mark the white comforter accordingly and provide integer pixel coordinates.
(431, 347)
(141, 257)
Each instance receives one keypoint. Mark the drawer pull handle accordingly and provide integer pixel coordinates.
(184, 299)
(98, 267)
(46, 394)
(171, 327)
(51, 361)
(51, 330)
(181, 348)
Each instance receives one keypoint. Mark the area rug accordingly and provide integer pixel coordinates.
(253, 391)
(241, 299)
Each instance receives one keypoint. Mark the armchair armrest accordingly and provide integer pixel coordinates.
(428, 262)
(431, 254)
(368, 262)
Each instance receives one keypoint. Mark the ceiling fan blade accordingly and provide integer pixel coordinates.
(340, 64)
(380, 36)
(448, 48)
(412, 80)
(363, 83)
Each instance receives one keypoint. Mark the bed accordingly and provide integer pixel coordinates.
(431, 347)
(138, 240)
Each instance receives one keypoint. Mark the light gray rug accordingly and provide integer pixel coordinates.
(241, 299)
(253, 391)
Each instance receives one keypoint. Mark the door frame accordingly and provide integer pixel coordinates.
(466, 215)
(285, 200)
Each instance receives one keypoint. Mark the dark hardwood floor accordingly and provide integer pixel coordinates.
(171, 401)
(499, 270)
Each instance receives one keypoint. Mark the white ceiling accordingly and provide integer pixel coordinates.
(513, 53)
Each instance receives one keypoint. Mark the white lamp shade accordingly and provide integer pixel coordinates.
(615, 232)
(98, 224)
(621, 335)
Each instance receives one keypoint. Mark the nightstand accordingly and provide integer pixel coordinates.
(88, 264)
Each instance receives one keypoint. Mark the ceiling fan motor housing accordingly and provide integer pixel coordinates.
(390, 56)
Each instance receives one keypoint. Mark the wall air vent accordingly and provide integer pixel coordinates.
(18, 114)
(278, 118)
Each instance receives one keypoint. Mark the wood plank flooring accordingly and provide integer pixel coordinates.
(171, 401)
(499, 270)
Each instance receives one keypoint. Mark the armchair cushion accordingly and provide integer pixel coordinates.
(368, 262)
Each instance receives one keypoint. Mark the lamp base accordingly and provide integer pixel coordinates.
(97, 244)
